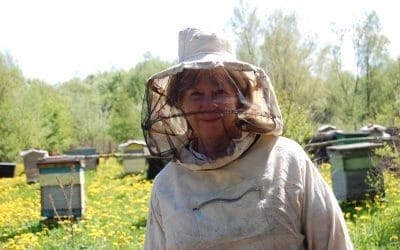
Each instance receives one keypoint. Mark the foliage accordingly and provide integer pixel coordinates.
(125, 122)
(373, 223)
(88, 119)
(389, 112)
(297, 123)
(10, 80)
(292, 65)
(371, 52)
(388, 157)
(10, 77)
(42, 119)
(312, 87)
(246, 26)
(99, 111)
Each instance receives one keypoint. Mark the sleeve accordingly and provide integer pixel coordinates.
(323, 221)
(155, 238)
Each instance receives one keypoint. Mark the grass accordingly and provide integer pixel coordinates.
(116, 211)
(115, 214)
(375, 222)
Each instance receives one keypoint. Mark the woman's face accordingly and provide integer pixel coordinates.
(209, 107)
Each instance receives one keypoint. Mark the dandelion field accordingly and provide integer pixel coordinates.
(116, 211)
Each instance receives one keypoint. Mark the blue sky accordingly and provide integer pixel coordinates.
(56, 40)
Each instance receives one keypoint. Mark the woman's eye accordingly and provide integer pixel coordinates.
(195, 94)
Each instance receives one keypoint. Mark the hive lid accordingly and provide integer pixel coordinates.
(7, 163)
(62, 159)
(352, 146)
(29, 151)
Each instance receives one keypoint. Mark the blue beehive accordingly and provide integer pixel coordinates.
(61, 186)
(90, 156)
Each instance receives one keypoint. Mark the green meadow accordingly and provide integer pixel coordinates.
(116, 211)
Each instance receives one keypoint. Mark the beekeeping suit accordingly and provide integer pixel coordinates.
(265, 193)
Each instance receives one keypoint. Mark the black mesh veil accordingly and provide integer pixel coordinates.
(165, 125)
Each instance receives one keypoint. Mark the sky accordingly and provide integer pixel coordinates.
(57, 40)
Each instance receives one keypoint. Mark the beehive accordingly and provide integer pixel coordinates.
(7, 169)
(89, 155)
(353, 171)
(30, 158)
(134, 156)
(61, 186)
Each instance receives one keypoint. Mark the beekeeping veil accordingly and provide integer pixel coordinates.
(164, 125)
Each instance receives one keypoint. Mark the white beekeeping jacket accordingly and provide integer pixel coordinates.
(272, 197)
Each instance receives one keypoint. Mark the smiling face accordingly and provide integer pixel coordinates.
(210, 106)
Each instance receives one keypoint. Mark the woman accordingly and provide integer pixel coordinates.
(234, 183)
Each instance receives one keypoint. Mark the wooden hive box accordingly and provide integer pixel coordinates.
(30, 158)
(61, 186)
(353, 171)
(134, 156)
(90, 156)
(7, 169)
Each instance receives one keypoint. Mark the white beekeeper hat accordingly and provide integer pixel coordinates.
(164, 126)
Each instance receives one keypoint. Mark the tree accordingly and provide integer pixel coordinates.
(136, 78)
(371, 53)
(246, 26)
(290, 62)
(10, 76)
(341, 98)
(90, 123)
(389, 112)
(128, 98)
(125, 119)
(50, 119)
(11, 80)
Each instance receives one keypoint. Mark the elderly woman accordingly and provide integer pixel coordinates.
(234, 182)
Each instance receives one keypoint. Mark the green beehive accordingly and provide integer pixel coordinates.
(351, 137)
(61, 186)
(353, 171)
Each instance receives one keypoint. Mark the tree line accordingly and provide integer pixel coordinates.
(104, 109)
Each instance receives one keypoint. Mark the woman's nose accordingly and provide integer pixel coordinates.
(210, 102)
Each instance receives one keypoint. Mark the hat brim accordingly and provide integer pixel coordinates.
(207, 62)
